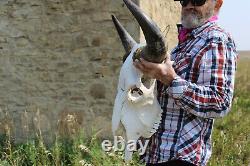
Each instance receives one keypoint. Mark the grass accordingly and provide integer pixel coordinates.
(231, 135)
(231, 140)
(74, 151)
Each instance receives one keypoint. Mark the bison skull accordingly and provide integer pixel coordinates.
(136, 105)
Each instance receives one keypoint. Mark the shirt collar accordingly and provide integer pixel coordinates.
(197, 31)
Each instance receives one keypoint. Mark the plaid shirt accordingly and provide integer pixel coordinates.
(205, 64)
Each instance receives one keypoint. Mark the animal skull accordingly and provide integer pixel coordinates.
(136, 105)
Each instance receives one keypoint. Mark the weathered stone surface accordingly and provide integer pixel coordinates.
(98, 91)
(60, 60)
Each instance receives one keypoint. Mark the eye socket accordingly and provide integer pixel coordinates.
(136, 90)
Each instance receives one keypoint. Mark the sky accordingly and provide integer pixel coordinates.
(235, 18)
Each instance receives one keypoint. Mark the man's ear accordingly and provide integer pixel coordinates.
(218, 5)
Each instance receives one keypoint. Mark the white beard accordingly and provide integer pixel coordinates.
(193, 19)
(139, 113)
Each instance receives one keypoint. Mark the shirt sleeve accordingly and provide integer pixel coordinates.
(211, 96)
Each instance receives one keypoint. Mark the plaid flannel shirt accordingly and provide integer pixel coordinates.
(205, 64)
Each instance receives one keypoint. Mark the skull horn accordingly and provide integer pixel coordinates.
(127, 41)
(155, 50)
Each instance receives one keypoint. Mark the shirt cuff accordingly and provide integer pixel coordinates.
(177, 88)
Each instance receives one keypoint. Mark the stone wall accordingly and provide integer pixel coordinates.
(60, 60)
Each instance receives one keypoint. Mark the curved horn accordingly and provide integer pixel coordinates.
(156, 46)
(127, 41)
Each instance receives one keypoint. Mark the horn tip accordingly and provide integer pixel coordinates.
(114, 19)
(127, 2)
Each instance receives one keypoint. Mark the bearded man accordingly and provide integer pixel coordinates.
(193, 90)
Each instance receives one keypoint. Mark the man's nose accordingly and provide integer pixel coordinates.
(189, 4)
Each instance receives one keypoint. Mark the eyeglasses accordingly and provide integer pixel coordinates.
(184, 3)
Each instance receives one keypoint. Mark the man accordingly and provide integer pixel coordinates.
(194, 90)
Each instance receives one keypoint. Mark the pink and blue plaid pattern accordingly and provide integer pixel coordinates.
(205, 64)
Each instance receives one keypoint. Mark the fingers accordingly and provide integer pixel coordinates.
(141, 66)
(147, 68)
(144, 65)
(147, 65)
(138, 65)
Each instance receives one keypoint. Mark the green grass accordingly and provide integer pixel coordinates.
(231, 140)
(77, 151)
(231, 135)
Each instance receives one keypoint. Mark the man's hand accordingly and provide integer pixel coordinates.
(163, 72)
